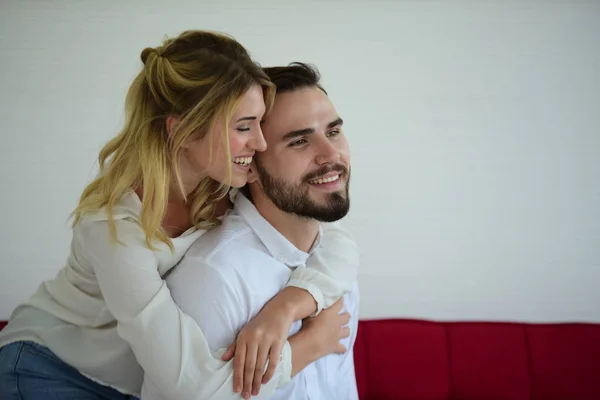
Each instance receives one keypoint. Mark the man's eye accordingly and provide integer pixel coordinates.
(334, 133)
(298, 143)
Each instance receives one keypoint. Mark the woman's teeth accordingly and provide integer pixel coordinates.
(242, 160)
(325, 180)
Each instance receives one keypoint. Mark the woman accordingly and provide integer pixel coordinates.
(107, 318)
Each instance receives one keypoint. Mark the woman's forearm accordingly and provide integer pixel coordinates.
(294, 302)
(304, 351)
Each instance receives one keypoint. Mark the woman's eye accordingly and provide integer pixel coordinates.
(243, 129)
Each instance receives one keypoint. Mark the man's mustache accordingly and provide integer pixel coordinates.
(325, 170)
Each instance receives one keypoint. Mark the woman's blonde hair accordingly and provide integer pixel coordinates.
(198, 77)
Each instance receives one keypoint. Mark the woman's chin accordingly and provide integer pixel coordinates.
(239, 181)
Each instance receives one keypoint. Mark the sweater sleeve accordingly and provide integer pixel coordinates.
(168, 344)
(332, 269)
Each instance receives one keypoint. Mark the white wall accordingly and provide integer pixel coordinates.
(474, 126)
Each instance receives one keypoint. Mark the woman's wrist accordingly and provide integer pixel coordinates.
(294, 302)
(305, 350)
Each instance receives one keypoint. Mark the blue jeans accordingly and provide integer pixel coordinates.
(29, 371)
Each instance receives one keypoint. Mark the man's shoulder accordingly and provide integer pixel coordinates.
(229, 244)
(231, 230)
(228, 258)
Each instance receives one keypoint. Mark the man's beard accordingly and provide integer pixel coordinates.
(295, 199)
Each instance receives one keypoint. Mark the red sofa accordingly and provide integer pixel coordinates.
(420, 360)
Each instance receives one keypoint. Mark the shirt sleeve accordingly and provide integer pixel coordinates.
(168, 344)
(332, 268)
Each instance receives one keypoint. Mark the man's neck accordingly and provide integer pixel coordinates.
(301, 232)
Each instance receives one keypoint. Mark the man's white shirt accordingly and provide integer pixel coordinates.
(230, 273)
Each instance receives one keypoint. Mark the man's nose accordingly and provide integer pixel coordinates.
(328, 153)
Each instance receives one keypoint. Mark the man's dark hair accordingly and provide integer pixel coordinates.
(294, 76)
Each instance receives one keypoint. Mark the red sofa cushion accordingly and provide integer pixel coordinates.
(410, 362)
(488, 361)
(409, 359)
(565, 361)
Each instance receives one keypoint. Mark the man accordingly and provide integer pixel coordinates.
(300, 181)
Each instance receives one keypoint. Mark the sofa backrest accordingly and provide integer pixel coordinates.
(411, 359)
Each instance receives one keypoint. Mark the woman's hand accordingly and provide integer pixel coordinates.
(328, 328)
(319, 337)
(263, 338)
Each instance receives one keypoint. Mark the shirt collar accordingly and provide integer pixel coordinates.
(277, 244)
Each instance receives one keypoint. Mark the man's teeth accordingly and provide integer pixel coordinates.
(242, 160)
(325, 180)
